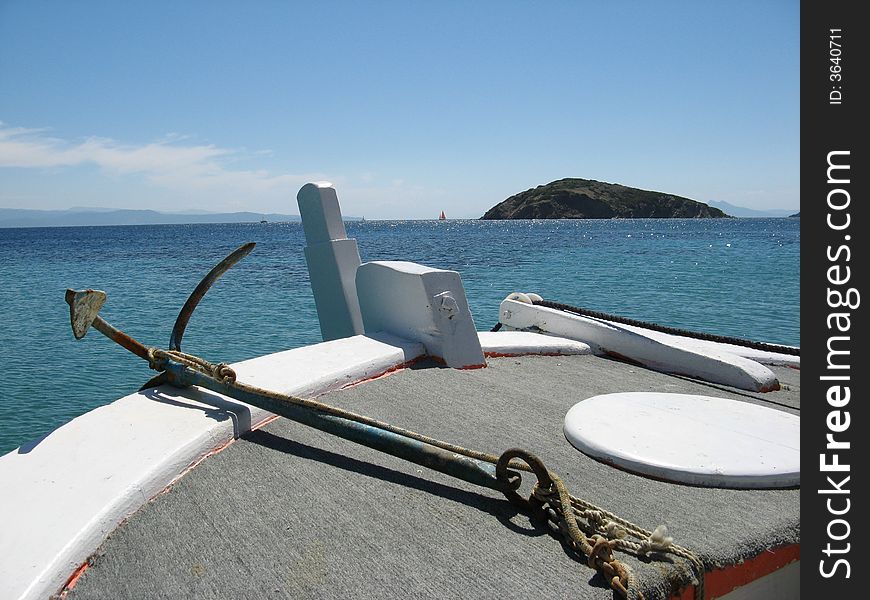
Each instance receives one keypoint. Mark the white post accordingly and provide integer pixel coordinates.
(332, 261)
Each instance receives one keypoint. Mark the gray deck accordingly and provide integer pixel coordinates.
(292, 512)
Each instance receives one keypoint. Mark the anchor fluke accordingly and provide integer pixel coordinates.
(200, 290)
(84, 306)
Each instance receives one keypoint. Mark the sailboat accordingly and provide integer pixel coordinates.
(442, 216)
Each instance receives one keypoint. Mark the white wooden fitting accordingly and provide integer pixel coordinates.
(422, 304)
(712, 363)
(332, 261)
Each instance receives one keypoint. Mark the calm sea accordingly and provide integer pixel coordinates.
(728, 276)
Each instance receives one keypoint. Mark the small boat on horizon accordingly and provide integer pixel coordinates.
(442, 216)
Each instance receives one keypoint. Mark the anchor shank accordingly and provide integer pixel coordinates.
(119, 337)
(456, 465)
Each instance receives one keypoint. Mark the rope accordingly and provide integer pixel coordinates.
(709, 337)
(588, 529)
(158, 358)
(592, 531)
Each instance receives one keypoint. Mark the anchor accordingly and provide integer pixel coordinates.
(501, 473)
(183, 370)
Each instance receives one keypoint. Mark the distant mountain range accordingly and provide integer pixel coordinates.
(82, 216)
(739, 211)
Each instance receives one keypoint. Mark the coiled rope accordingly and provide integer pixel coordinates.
(709, 337)
(157, 360)
(589, 530)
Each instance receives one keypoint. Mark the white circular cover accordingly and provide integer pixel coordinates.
(699, 440)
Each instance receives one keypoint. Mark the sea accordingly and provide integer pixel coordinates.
(737, 277)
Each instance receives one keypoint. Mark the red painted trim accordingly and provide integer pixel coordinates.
(720, 582)
(265, 422)
(395, 368)
(74, 579)
(471, 367)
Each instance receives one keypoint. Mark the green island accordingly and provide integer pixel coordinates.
(574, 198)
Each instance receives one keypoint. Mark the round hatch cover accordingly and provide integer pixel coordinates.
(700, 440)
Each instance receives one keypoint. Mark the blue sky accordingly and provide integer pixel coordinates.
(408, 107)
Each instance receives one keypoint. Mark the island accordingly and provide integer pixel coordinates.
(574, 198)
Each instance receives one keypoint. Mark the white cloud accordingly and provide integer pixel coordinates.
(190, 175)
(166, 163)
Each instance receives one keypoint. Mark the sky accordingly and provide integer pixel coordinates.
(409, 108)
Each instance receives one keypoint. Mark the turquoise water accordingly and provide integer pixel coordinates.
(733, 277)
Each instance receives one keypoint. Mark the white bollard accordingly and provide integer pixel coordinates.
(332, 259)
(421, 304)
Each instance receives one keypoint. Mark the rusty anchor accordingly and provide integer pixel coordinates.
(497, 473)
(183, 370)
